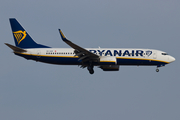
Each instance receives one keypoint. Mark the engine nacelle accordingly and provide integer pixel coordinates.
(108, 60)
(110, 67)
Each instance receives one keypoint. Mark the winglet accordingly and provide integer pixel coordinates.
(62, 35)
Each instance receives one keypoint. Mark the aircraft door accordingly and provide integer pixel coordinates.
(154, 55)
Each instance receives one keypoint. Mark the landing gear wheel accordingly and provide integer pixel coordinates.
(91, 71)
(157, 70)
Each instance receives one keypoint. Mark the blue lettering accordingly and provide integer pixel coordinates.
(132, 52)
(126, 53)
(93, 51)
(116, 52)
(139, 52)
(100, 52)
(108, 52)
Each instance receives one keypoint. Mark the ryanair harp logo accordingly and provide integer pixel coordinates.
(20, 35)
(148, 53)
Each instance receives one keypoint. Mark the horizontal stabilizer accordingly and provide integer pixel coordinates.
(15, 49)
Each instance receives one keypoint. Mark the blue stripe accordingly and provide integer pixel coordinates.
(138, 62)
(107, 63)
(74, 61)
(52, 60)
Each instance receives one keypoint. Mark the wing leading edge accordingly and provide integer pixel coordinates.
(83, 54)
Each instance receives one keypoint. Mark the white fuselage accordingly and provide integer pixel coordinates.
(119, 53)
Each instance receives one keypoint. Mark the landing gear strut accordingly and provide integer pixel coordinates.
(90, 68)
(161, 65)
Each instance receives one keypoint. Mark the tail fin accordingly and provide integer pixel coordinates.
(21, 37)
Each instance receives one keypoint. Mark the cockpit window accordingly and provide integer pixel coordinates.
(164, 54)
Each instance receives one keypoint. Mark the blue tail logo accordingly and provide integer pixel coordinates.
(20, 35)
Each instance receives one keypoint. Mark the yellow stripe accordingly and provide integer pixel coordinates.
(107, 61)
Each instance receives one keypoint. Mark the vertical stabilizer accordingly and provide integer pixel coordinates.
(21, 37)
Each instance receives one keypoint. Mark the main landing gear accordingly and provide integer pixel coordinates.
(90, 69)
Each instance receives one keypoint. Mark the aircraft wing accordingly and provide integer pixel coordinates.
(79, 51)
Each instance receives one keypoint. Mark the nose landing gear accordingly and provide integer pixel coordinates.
(161, 65)
(157, 70)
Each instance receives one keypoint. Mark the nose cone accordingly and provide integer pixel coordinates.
(171, 59)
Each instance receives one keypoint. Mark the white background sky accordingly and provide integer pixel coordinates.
(31, 90)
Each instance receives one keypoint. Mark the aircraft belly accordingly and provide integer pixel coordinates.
(52, 60)
(137, 62)
(60, 60)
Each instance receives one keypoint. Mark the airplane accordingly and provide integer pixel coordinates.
(108, 59)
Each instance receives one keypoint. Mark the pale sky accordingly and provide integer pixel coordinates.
(32, 90)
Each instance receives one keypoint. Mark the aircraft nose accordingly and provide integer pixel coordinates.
(171, 59)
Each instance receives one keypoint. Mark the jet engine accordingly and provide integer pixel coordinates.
(108, 60)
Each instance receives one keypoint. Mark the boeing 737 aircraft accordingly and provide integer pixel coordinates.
(108, 59)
